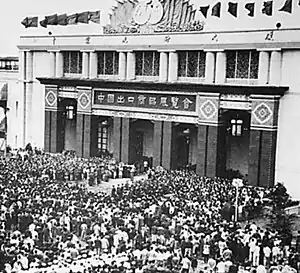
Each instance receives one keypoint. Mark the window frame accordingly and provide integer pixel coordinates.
(155, 60)
(236, 62)
(115, 63)
(102, 134)
(67, 67)
(201, 62)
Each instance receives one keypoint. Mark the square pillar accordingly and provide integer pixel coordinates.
(263, 67)
(116, 138)
(220, 67)
(173, 66)
(125, 129)
(59, 64)
(167, 145)
(275, 67)
(122, 65)
(163, 67)
(52, 60)
(79, 134)
(83, 121)
(157, 143)
(201, 149)
(93, 65)
(254, 157)
(87, 136)
(210, 64)
(130, 65)
(263, 138)
(94, 136)
(51, 137)
(85, 64)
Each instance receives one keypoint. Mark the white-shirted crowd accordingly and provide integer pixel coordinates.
(173, 221)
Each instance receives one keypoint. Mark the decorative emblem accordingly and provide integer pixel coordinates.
(262, 113)
(208, 109)
(149, 11)
(51, 98)
(84, 100)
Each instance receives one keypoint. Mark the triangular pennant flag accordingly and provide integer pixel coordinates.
(232, 8)
(204, 10)
(250, 8)
(94, 16)
(216, 10)
(268, 8)
(30, 22)
(83, 17)
(62, 19)
(287, 7)
(51, 19)
(43, 23)
(72, 19)
(25, 22)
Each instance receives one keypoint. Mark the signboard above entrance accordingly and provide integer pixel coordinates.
(146, 100)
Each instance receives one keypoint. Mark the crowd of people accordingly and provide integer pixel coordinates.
(173, 221)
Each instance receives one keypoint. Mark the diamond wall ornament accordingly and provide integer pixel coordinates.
(262, 113)
(208, 109)
(84, 100)
(51, 98)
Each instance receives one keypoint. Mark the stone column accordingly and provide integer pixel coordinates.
(275, 67)
(59, 64)
(263, 137)
(125, 140)
(93, 69)
(116, 138)
(210, 67)
(28, 96)
(83, 122)
(51, 137)
(157, 142)
(163, 67)
(130, 65)
(173, 66)
(85, 64)
(122, 65)
(52, 65)
(263, 67)
(220, 67)
(167, 144)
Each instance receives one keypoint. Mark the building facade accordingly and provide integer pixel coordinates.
(11, 101)
(216, 101)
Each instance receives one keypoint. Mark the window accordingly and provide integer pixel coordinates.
(103, 136)
(70, 112)
(108, 63)
(147, 63)
(191, 64)
(72, 62)
(242, 64)
(236, 127)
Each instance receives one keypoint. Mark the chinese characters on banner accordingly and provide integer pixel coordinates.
(146, 100)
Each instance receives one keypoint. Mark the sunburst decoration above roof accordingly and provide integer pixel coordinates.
(148, 16)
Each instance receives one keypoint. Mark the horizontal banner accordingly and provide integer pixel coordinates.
(146, 100)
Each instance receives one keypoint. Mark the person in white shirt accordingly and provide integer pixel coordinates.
(256, 255)
(185, 265)
(267, 255)
(221, 266)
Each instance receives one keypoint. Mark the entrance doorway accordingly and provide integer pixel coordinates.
(141, 142)
(67, 124)
(184, 146)
(237, 142)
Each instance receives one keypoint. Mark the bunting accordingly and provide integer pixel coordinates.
(287, 7)
(232, 8)
(250, 8)
(83, 17)
(94, 16)
(216, 10)
(72, 19)
(62, 19)
(30, 22)
(204, 10)
(267, 8)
